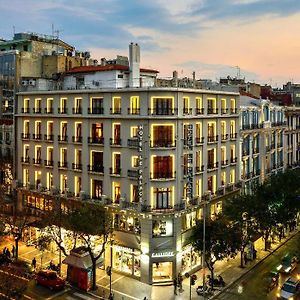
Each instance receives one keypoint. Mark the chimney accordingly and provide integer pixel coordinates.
(103, 61)
(134, 65)
(194, 79)
(175, 78)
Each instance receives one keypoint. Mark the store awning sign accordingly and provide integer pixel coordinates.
(163, 254)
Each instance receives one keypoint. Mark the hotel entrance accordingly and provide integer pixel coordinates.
(162, 271)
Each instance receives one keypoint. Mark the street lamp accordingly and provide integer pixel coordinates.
(109, 270)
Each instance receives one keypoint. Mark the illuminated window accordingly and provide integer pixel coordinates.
(25, 177)
(116, 193)
(223, 128)
(50, 128)
(38, 126)
(134, 193)
(37, 178)
(49, 180)
(37, 105)
(77, 185)
(50, 154)
(186, 105)
(64, 129)
(63, 183)
(232, 127)
(134, 161)
(97, 189)
(26, 127)
(49, 105)
(163, 197)
(223, 178)
(133, 131)
(135, 105)
(199, 103)
(26, 151)
(232, 176)
(198, 187)
(26, 105)
(116, 105)
(162, 136)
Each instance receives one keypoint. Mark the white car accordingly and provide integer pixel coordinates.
(290, 290)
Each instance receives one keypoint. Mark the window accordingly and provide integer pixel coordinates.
(26, 127)
(211, 156)
(117, 133)
(232, 176)
(97, 106)
(134, 161)
(186, 105)
(199, 103)
(37, 105)
(50, 154)
(162, 106)
(38, 154)
(78, 157)
(25, 177)
(134, 105)
(63, 183)
(37, 178)
(49, 180)
(26, 152)
(97, 189)
(134, 193)
(116, 192)
(49, 108)
(116, 163)
(63, 105)
(199, 187)
(162, 136)
(162, 166)
(116, 105)
(38, 130)
(26, 105)
(163, 197)
(133, 131)
(77, 185)
(78, 130)
(97, 130)
(63, 155)
(223, 178)
(162, 228)
(49, 128)
(63, 129)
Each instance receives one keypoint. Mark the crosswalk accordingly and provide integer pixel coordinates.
(77, 296)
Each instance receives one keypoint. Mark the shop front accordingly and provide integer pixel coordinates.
(190, 260)
(163, 266)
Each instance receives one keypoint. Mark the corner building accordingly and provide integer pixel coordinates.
(151, 155)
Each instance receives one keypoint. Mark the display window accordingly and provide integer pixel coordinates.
(190, 259)
(39, 203)
(162, 271)
(162, 228)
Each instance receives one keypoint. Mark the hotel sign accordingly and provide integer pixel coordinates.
(140, 169)
(190, 176)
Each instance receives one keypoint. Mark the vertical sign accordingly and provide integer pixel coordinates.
(190, 161)
(140, 169)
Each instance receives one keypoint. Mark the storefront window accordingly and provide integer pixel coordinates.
(162, 271)
(162, 228)
(190, 259)
(125, 223)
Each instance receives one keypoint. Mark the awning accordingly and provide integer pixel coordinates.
(81, 262)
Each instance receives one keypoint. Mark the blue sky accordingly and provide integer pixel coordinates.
(211, 37)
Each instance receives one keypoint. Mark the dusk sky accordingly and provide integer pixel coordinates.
(211, 37)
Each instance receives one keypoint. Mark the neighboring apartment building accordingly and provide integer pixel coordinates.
(151, 155)
(293, 136)
(263, 143)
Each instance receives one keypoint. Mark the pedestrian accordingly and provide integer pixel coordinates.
(13, 251)
(8, 253)
(245, 258)
(4, 250)
(254, 253)
(145, 298)
(180, 279)
(33, 263)
(175, 285)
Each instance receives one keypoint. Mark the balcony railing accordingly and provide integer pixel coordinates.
(134, 111)
(115, 171)
(25, 136)
(115, 111)
(62, 164)
(133, 143)
(233, 136)
(199, 169)
(96, 140)
(77, 139)
(62, 138)
(96, 168)
(212, 139)
(212, 111)
(211, 166)
(163, 175)
(224, 137)
(37, 110)
(256, 172)
(224, 163)
(115, 141)
(187, 111)
(48, 163)
(77, 110)
(246, 126)
(254, 126)
(162, 111)
(233, 111)
(96, 110)
(25, 110)
(76, 166)
(48, 137)
(62, 110)
(133, 173)
(25, 159)
(233, 160)
(162, 144)
(37, 136)
(199, 140)
(48, 110)
(37, 161)
(199, 111)
(224, 111)
(246, 176)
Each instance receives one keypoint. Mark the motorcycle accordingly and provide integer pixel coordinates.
(218, 282)
(54, 267)
(204, 291)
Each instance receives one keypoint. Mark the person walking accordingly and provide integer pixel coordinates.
(33, 263)
(175, 285)
(13, 251)
(180, 280)
(4, 250)
(245, 258)
(8, 253)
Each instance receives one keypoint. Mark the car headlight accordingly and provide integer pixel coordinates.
(291, 298)
(288, 269)
(279, 267)
(278, 294)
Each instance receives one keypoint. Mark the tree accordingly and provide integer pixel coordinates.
(42, 244)
(222, 240)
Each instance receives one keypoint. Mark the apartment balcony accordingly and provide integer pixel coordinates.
(25, 159)
(37, 161)
(199, 169)
(233, 136)
(62, 138)
(246, 126)
(199, 140)
(133, 173)
(77, 167)
(37, 110)
(212, 139)
(62, 110)
(115, 171)
(256, 172)
(162, 175)
(199, 111)
(162, 144)
(115, 111)
(224, 163)
(49, 137)
(162, 209)
(48, 110)
(77, 139)
(77, 110)
(212, 111)
(233, 160)
(96, 168)
(25, 136)
(187, 111)
(224, 137)
(25, 110)
(134, 111)
(115, 142)
(212, 166)
(255, 150)
(162, 111)
(48, 163)
(233, 111)
(246, 152)
(96, 110)
(96, 140)
(246, 176)
(62, 164)
(133, 143)
(37, 136)
(224, 111)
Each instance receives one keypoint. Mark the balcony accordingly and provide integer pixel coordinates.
(115, 142)
(212, 166)
(246, 126)
(96, 111)
(25, 110)
(233, 160)
(163, 209)
(199, 111)
(246, 176)
(212, 111)
(133, 143)
(133, 173)
(48, 163)
(62, 110)
(62, 138)
(162, 111)
(224, 137)
(77, 139)
(187, 111)
(162, 144)
(212, 139)
(96, 140)
(224, 111)
(37, 136)
(37, 161)
(199, 169)
(115, 171)
(77, 110)
(115, 111)
(49, 137)
(233, 136)
(25, 136)
(134, 111)
(37, 110)
(199, 140)
(77, 167)
(48, 110)
(233, 111)
(224, 163)
(62, 164)
(162, 175)
(96, 168)
(25, 159)
(254, 126)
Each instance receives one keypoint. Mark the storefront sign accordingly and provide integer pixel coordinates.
(163, 254)
(123, 249)
(189, 186)
(140, 170)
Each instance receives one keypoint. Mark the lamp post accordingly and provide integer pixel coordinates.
(109, 270)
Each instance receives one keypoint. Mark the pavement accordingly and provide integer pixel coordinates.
(125, 288)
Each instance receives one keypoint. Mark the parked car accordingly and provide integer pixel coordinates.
(50, 279)
(272, 280)
(288, 264)
(290, 290)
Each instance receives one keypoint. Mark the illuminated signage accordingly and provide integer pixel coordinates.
(189, 186)
(140, 170)
(163, 254)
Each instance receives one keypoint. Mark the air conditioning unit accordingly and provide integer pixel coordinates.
(24, 82)
(32, 82)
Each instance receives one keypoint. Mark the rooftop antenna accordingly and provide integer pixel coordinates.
(238, 75)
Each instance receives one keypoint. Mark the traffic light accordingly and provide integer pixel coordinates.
(108, 270)
(193, 279)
